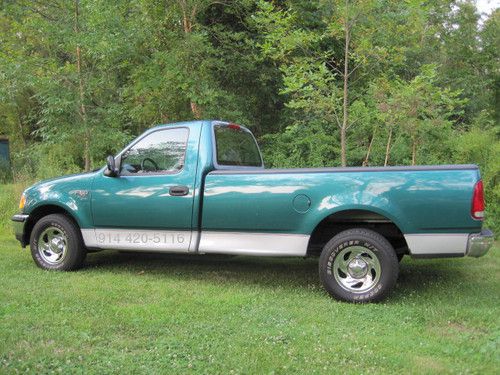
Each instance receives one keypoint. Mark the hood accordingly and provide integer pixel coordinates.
(72, 180)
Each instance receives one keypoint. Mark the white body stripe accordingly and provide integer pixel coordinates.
(238, 243)
(437, 243)
(259, 244)
(245, 243)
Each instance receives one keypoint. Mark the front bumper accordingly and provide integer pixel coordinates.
(479, 243)
(19, 224)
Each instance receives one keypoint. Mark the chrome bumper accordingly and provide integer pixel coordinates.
(479, 243)
(18, 223)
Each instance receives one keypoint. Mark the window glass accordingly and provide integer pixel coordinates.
(158, 153)
(236, 146)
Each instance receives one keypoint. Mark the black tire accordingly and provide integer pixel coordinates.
(375, 258)
(71, 253)
(400, 257)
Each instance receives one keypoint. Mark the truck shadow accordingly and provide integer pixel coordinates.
(282, 272)
(416, 276)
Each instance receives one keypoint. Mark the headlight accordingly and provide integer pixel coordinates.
(22, 202)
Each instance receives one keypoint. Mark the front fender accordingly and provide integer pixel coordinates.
(71, 194)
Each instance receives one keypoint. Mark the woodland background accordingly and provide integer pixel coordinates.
(320, 83)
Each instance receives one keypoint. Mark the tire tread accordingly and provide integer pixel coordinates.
(78, 252)
(382, 244)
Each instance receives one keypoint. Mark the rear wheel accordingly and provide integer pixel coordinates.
(56, 244)
(358, 265)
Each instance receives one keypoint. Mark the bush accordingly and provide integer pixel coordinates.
(44, 161)
(5, 171)
(481, 146)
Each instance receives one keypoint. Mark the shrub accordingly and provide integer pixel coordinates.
(5, 171)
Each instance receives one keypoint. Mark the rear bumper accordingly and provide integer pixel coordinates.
(19, 224)
(479, 243)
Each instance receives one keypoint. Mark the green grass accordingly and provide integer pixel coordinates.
(175, 314)
(9, 201)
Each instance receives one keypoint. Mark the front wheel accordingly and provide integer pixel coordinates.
(56, 244)
(358, 265)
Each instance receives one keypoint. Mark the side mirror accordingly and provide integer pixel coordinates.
(111, 170)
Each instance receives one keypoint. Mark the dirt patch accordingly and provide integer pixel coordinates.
(427, 364)
(451, 329)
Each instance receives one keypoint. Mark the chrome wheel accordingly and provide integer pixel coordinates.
(356, 269)
(52, 245)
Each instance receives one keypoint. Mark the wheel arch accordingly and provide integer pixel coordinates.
(356, 217)
(44, 210)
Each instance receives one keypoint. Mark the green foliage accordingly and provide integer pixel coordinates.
(5, 171)
(308, 144)
(481, 146)
(52, 160)
(423, 81)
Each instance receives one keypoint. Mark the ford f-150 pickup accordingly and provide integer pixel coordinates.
(200, 187)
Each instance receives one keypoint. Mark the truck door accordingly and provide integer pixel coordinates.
(148, 206)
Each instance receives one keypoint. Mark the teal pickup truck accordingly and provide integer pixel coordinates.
(201, 188)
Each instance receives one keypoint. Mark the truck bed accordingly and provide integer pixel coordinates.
(430, 205)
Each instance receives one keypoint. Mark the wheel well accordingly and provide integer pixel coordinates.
(40, 212)
(343, 220)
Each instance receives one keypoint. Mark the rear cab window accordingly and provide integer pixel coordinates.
(235, 146)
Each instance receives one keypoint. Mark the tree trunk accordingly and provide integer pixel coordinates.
(187, 25)
(388, 147)
(196, 110)
(367, 157)
(21, 129)
(345, 117)
(81, 89)
(414, 151)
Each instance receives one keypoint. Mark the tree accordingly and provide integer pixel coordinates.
(464, 63)
(321, 83)
(490, 40)
(418, 108)
(81, 90)
(326, 70)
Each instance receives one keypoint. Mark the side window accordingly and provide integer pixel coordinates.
(161, 152)
(236, 146)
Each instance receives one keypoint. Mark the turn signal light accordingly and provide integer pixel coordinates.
(477, 210)
(22, 202)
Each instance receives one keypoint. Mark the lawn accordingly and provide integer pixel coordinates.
(170, 314)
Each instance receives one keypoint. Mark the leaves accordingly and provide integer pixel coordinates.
(425, 74)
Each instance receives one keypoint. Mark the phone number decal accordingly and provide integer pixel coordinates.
(141, 238)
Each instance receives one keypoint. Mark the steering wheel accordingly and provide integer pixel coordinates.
(143, 162)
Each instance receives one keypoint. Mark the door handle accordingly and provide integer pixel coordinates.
(178, 191)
